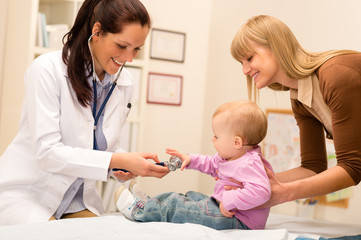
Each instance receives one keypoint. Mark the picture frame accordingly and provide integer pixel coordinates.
(164, 89)
(167, 45)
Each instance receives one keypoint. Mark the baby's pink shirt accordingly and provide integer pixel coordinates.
(248, 169)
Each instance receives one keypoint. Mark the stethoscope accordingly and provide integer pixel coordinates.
(174, 162)
(96, 115)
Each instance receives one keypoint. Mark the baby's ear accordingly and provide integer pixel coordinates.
(238, 142)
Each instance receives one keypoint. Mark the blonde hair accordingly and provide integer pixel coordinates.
(246, 119)
(275, 35)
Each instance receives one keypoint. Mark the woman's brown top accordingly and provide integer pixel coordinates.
(329, 101)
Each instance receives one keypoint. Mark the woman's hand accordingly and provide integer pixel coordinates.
(186, 159)
(138, 164)
(278, 189)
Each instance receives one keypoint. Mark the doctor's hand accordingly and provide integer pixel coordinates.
(124, 176)
(138, 164)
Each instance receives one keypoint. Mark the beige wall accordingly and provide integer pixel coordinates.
(179, 126)
(19, 42)
(3, 21)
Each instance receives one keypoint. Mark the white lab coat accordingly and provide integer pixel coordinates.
(54, 144)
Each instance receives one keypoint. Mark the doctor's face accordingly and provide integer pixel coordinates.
(111, 51)
(261, 65)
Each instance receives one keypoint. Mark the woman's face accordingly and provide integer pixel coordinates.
(111, 51)
(262, 66)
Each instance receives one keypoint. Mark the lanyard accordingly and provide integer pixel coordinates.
(96, 116)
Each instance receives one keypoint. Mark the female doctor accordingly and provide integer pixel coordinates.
(76, 102)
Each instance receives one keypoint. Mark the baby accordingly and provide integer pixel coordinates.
(238, 128)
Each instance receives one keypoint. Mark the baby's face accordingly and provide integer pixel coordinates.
(223, 139)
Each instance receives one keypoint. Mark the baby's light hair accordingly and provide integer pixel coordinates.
(247, 120)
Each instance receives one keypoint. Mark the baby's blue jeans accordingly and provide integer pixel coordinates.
(193, 207)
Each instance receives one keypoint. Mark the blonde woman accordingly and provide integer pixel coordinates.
(325, 92)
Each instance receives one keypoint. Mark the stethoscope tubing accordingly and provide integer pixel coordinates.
(96, 116)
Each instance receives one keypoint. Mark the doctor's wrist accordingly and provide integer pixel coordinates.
(117, 160)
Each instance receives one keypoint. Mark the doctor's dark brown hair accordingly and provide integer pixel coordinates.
(112, 15)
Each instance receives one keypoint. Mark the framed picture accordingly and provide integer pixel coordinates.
(164, 89)
(281, 146)
(167, 45)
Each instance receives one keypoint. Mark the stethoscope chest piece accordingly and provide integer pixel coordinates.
(174, 163)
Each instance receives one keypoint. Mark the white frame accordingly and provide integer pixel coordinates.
(164, 89)
(167, 45)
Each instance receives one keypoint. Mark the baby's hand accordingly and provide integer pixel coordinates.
(186, 159)
(216, 178)
(229, 187)
(224, 211)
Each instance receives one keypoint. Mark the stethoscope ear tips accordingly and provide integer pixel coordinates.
(97, 33)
